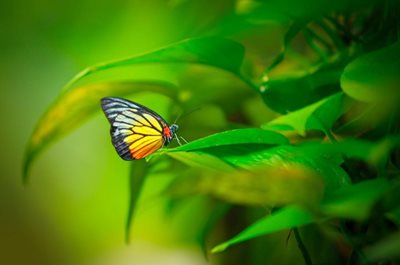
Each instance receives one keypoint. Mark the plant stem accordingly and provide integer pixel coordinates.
(247, 81)
(302, 247)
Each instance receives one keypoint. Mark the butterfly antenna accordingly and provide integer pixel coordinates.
(185, 114)
(178, 117)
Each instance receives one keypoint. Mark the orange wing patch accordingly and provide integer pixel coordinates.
(147, 148)
(143, 142)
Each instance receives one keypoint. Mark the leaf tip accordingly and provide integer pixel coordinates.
(127, 237)
(219, 248)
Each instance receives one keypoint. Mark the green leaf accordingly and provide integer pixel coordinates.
(137, 176)
(285, 218)
(249, 148)
(201, 160)
(235, 137)
(355, 201)
(75, 106)
(260, 162)
(318, 116)
(250, 156)
(374, 76)
(213, 51)
(272, 171)
(297, 89)
(374, 153)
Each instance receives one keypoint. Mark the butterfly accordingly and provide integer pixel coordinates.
(136, 131)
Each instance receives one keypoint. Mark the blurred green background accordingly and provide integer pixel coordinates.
(74, 208)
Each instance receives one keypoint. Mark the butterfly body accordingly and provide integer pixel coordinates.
(136, 131)
(169, 133)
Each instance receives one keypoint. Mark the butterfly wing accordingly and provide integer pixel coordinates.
(136, 131)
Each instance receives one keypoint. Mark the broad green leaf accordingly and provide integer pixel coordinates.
(374, 76)
(213, 51)
(318, 116)
(75, 106)
(285, 218)
(355, 201)
(295, 90)
(274, 164)
(235, 137)
(325, 161)
(250, 155)
(374, 153)
(248, 148)
(137, 176)
(326, 158)
(202, 160)
(271, 170)
(352, 148)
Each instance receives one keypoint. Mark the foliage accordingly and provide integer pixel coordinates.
(331, 157)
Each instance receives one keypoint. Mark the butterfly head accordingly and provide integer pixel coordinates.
(173, 128)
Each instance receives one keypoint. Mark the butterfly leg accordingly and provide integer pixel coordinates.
(184, 139)
(177, 139)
